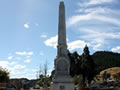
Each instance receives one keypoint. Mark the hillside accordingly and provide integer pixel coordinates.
(105, 59)
(114, 73)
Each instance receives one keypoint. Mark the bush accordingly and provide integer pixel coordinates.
(4, 75)
(44, 81)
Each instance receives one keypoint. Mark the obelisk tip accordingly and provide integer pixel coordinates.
(61, 2)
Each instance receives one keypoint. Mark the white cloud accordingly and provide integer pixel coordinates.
(43, 36)
(77, 18)
(13, 63)
(92, 16)
(111, 20)
(52, 42)
(96, 10)
(26, 25)
(24, 53)
(95, 2)
(19, 72)
(116, 49)
(10, 57)
(27, 61)
(102, 14)
(101, 10)
(97, 47)
(19, 66)
(11, 66)
(77, 44)
(14, 68)
(99, 34)
(98, 38)
(15, 72)
(4, 64)
(35, 70)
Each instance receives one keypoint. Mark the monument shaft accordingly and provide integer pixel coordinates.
(62, 65)
(62, 80)
(62, 47)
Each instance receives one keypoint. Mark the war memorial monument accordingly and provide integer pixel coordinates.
(62, 79)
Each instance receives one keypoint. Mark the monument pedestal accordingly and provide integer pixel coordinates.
(62, 82)
(62, 86)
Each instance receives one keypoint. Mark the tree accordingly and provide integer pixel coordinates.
(87, 66)
(4, 75)
(45, 68)
(75, 63)
(82, 65)
(39, 72)
(44, 79)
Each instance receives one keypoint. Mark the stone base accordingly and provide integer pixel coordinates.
(62, 86)
(59, 78)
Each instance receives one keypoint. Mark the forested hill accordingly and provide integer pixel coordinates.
(105, 59)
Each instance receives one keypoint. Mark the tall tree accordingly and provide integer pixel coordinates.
(45, 68)
(75, 62)
(39, 72)
(87, 65)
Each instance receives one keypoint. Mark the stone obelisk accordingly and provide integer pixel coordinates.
(62, 79)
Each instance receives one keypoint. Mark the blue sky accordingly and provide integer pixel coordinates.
(28, 31)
